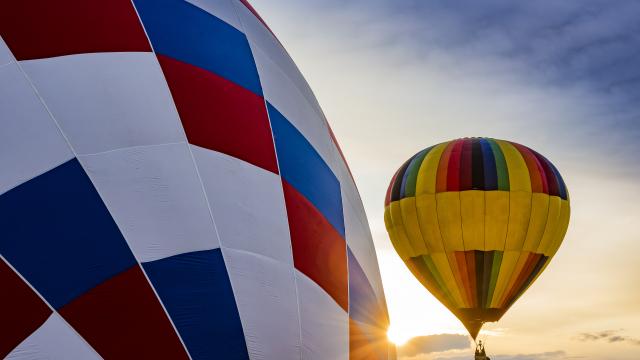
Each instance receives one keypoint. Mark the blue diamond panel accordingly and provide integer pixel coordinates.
(56, 231)
(187, 33)
(364, 305)
(367, 314)
(196, 291)
(303, 168)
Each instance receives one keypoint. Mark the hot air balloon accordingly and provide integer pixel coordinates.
(477, 220)
(170, 189)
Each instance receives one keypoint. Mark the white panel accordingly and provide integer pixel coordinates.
(259, 36)
(267, 301)
(247, 203)
(361, 244)
(30, 142)
(347, 184)
(222, 9)
(155, 197)
(54, 340)
(325, 326)
(284, 87)
(107, 101)
(5, 53)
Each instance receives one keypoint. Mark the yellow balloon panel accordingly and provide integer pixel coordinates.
(410, 220)
(448, 208)
(472, 210)
(561, 230)
(551, 228)
(537, 221)
(428, 222)
(497, 219)
(519, 215)
(397, 235)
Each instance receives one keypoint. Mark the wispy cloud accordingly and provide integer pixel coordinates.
(611, 336)
(549, 73)
(420, 345)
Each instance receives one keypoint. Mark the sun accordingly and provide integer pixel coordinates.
(398, 336)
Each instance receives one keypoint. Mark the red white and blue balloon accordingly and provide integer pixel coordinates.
(170, 189)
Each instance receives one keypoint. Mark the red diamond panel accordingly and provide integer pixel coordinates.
(41, 28)
(220, 115)
(21, 310)
(122, 319)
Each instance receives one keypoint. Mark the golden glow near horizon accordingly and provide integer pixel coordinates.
(399, 336)
(413, 310)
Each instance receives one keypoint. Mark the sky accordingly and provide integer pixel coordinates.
(562, 77)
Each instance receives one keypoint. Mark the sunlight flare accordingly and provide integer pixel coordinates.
(398, 336)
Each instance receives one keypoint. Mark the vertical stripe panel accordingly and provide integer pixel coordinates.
(433, 270)
(521, 276)
(453, 170)
(535, 175)
(507, 266)
(518, 172)
(461, 262)
(450, 277)
(397, 185)
(513, 277)
(412, 173)
(466, 176)
(487, 265)
(562, 188)
(470, 260)
(477, 166)
(493, 280)
(552, 181)
(429, 173)
(387, 198)
(537, 270)
(501, 165)
(443, 167)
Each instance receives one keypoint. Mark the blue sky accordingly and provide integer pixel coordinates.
(562, 77)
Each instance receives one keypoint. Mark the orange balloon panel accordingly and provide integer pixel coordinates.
(477, 220)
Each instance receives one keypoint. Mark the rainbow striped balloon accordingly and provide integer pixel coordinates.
(477, 220)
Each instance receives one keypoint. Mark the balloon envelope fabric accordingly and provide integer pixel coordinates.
(477, 220)
(170, 188)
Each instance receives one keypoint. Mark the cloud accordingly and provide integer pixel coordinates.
(611, 336)
(570, 41)
(556, 75)
(433, 343)
(549, 355)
